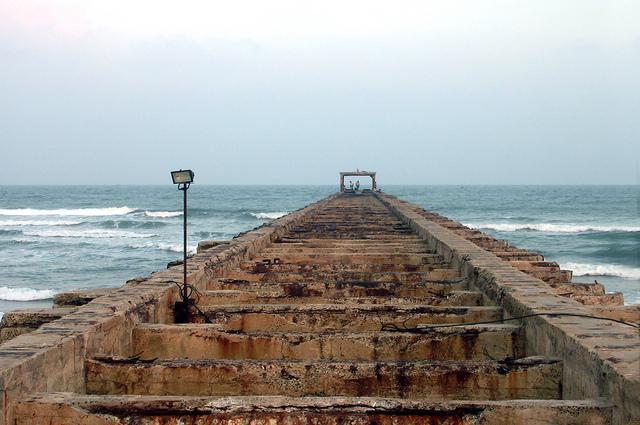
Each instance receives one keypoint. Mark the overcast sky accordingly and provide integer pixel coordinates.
(424, 92)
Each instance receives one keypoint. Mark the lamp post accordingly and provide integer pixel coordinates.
(183, 178)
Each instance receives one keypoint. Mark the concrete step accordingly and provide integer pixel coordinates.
(489, 243)
(199, 341)
(206, 245)
(533, 378)
(349, 258)
(534, 265)
(355, 288)
(570, 289)
(612, 299)
(357, 221)
(392, 239)
(523, 265)
(518, 256)
(467, 233)
(69, 408)
(271, 267)
(627, 313)
(222, 297)
(438, 275)
(551, 276)
(349, 232)
(361, 249)
(334, 226)
(338, 317)
(380, 218)
(19, 322)
(348, 243)
(79, 297)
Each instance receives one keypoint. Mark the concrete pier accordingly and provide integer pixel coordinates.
(323, 317)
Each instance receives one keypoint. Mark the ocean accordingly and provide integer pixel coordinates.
(57, 238)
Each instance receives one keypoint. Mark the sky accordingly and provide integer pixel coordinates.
(294, 91)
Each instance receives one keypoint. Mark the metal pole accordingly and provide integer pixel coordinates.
(184, 258)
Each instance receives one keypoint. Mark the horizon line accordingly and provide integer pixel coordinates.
(313, 184)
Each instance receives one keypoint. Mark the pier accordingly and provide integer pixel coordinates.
(358, 309)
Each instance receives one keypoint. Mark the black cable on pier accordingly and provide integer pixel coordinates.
(392, 327)
(186, 297)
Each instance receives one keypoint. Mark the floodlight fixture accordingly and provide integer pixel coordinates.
(183, 178)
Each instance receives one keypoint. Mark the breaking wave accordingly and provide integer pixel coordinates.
(90, 233)
(63, 212)
(553, 228)
(581, 269)
(269, 215)
(162, 214)
(164, 247)
(38, 223)
(25, 294)
(130, 224)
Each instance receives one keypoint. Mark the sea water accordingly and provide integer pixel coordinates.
(57, 238)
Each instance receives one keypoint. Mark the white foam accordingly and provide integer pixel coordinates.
(63, 212)
(269, 215)
(25, 294)
(170, 247)
(552, 228)
(164, 247)
(38, 223)
(162, 214)
(89, 233)
(581, 269)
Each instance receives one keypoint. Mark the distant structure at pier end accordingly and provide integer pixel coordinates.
(357, 173)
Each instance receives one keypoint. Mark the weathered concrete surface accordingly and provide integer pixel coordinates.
(18, 322)
(613, 299)
(601, 359)
(345, 277)
(206, 245)
(209, 342)
(339, 317)
(387, 285)
(561, 279)
(627, 313)
(302, 296)
(349, 258)
(532, 378)
(312, 293)
(52, 358)
(63, 409)
(79, 297)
